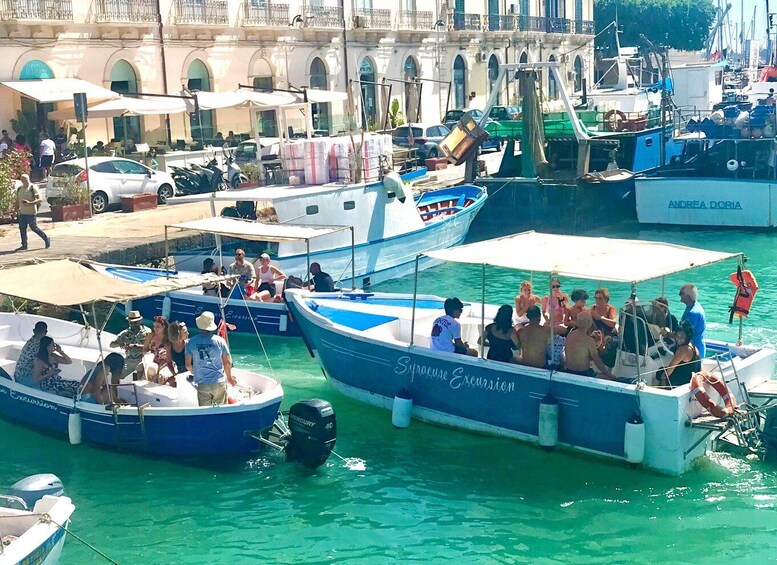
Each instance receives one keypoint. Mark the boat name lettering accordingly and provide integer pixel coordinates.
(705, 205)
(29, 399)
(462, 379)
(406, 367)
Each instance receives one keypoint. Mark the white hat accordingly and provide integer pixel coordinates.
(206, 322)
(264, 256)
(134, 316)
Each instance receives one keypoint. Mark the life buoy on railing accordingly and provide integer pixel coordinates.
(615, 120)
(697, 388)
(747, 286)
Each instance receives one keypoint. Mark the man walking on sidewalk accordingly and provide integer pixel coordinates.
(27, 201)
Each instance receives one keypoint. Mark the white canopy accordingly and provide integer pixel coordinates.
(593, 258)
(324, 96)
(241, 98)
(257, 231)
(59, 89)
(126, 106)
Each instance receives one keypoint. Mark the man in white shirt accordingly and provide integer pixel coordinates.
(446, 330)
(47, 149)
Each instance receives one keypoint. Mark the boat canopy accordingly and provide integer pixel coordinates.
(67, 282)
(257, 231)
(593, 258)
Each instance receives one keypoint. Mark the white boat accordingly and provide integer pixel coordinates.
(374, 345)
(34, 517)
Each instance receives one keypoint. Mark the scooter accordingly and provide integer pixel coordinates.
(199, 179)
(234, 176)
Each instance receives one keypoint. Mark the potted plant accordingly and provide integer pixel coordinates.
(253, 174)
(137, 202)
(72, 203)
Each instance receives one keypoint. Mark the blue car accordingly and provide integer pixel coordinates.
(453, 116)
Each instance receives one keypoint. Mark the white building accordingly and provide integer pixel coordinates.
(447, 53)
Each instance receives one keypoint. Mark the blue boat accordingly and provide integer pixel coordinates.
(146, 416)
(373, 346)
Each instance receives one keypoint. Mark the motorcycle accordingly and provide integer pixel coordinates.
(234, 176)
(197, 179)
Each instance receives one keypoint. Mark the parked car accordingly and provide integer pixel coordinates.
(110, 178)
(452, 117)
(501, 113)
(424, 137)
(245, 152)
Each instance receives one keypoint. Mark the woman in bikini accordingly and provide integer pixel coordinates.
(555, 307)
(158, 344)
(604, 314)
(179, 335)
(523, 301)
(501, 337)
(267, 275)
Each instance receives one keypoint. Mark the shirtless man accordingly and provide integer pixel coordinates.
(580, 349)
(523, 301)
(533, 339)
(579, 297)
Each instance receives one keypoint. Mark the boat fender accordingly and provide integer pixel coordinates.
(747, 287)
(732, 165)
(74, 427)
(401, 410)
(697, 389)
(166, 307)
(548, 423)
(634, 440)
(392, 182)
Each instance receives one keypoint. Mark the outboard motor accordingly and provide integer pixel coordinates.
(34, 487)
(313, 430)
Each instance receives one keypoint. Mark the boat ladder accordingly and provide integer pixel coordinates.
(133, 431)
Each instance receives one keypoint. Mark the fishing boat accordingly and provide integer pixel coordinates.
(145, 416)
(34, 517)
(371, 346)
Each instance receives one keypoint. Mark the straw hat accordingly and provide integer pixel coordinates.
(206, 322)
(134, 316)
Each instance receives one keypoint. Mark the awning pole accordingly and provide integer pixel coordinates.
(663, 285)
(415, 297)
(552, 329)
(307, 257)
(353, 259)
(482, 310)
(167, 255)
(636, 328)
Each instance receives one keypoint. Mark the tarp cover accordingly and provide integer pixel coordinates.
(593, 258)
(257, 231)
(59, 89)
(68, 283)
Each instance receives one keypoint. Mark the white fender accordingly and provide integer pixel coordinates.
(548, 423)
(634, 440)
(392, 182)
(74, 427)
(166, 306)
(400, 412)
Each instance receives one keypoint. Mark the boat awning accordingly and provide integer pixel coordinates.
(592, 258)
(59, 89)
(126, 106)
(257, 231)
(77, 284)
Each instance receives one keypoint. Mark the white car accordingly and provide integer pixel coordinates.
(110, 178)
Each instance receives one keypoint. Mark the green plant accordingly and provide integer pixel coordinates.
(396, 116)
(73, 192)
(251, 172)
(26, 124)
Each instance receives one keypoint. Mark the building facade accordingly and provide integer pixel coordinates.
(429, 55)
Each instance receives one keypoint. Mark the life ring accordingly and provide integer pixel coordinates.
(697, 388)
(747, 286)
(617, 123)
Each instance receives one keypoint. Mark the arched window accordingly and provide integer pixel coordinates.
(198, 78)
(411, 90)
(369, 93)
(459, 82)
(36, 70)
(578, 74)
(524, 57)
(319, 79)
(552, 86)
(268, 124)
(493, 73)
(126, 129)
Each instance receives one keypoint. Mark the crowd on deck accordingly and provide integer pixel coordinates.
(561, 331)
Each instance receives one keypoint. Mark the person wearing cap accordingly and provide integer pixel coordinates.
(245, 272)
(266, 277)
(24, 365)
(209, 362)
(28, 199)
(132, 340)
(446, 330)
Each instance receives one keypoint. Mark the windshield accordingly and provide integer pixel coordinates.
(66, 170)
(453, 115)
(405, 132)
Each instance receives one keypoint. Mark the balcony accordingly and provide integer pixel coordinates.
(263, 14)
(584, 27)
(415, 20)
(558, 25)
(125, 11)
(201, 12)
(323, 16)
(37, 10)
(500, 23)
(460, 21)
(372, 19)
(532, 23)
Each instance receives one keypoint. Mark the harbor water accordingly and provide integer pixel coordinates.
(428, 494)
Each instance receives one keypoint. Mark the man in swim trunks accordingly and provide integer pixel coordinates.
(580, 350)
(533, 339)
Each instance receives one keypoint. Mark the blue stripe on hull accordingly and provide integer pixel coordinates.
(168, 434)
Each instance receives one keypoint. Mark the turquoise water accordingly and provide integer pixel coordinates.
(426, 494)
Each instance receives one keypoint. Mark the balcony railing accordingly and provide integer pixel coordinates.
(372, 18)
(495, 22)
(413, 19)
(532, 23)
(50, 10)
(206, 12)
(323, 16)
(263, 14)
(130, 11)
(584, 27)
(460, 21)
(558, 25)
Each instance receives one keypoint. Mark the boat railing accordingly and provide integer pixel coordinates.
(732, 122)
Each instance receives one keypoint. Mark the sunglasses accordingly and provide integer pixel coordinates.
(239, 254)
(556, 286)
